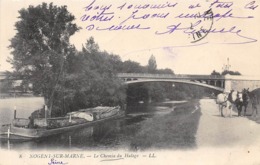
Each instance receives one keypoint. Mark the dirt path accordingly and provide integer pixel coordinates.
(216, 131)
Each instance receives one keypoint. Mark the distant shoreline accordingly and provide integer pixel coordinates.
(12, 96)
(24, 107)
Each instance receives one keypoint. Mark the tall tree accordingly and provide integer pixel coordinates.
(152, 66)
(91, 46)
(91, 80)
(41, 45)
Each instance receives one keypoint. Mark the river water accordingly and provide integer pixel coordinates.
(115, 134)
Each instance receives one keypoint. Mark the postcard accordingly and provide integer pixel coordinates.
(129, 82)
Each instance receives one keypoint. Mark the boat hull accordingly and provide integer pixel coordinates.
(10, 132)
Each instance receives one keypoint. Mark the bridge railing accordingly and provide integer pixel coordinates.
(176, 76)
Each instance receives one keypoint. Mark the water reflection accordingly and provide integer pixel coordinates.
(114, 134)
(102, 134)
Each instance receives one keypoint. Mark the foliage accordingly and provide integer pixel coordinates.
(90, 79)
(159, 91)
(41, 46)
(7, 84)
(214, 73)
(164, 71)
(225, 72)
(69, 79)
(132, 67)
(152, 66)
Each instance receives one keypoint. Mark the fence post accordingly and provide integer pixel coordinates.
(14, 112)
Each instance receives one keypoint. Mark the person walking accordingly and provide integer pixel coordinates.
(255, 102)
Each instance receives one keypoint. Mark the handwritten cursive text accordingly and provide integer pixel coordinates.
(53, 162)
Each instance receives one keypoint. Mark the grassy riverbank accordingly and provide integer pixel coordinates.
(175, 130)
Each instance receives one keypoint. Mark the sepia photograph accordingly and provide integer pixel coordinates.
(129, 82)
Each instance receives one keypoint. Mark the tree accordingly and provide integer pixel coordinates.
(90, 80)
(132, 67)
(165, 71)
(91, 46)
(6, 86)
(152, 66)
(41, 46)
(225, 72)
(214, 73)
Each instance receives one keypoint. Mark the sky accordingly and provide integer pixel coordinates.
(177, 50)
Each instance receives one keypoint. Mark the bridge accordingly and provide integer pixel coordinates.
(217, 82)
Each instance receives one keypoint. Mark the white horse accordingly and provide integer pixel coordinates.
(226, 100)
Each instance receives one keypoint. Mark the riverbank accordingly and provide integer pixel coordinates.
(16, 95)
(175, 130)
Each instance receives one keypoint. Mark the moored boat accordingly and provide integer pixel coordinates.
(27, 129)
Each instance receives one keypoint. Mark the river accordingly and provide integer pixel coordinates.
(162, 125)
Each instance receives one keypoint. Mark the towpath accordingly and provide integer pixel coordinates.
(236, 135)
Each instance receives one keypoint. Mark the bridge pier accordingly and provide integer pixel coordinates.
(228, 85)
(238, 83)
(222, 84)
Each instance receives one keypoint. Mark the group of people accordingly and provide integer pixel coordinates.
(240, 99)
(246, 98)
